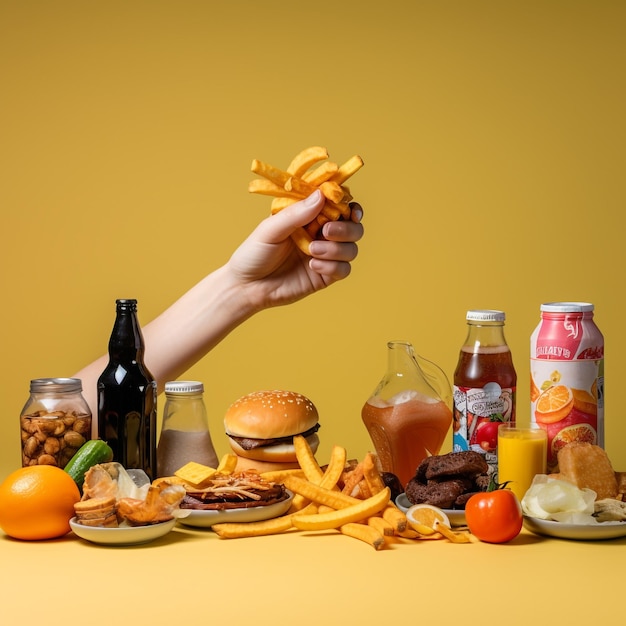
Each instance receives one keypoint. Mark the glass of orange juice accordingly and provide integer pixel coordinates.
(522, 453)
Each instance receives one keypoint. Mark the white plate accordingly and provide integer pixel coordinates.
(584, 532)
(206, 519)
(122, 536)
(456, 516)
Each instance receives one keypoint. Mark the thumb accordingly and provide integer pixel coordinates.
(302, 212)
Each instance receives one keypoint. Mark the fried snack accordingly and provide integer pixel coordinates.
(334, 469)
(366, 533)
(227, 464)
(587, 465)
(362, 490)
(395, 516)
(305, 174)
(234, 530)
(384, 527)
(157, 507)
(336, 519)
(609, 510)
(371, 474)
(352, 479)
(306, 159)
(97, 512)
(278, 476)
(319, 494)
(306, 459)
(620, 477)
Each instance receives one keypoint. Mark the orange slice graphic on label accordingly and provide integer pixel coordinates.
(554, 404)
(585, 402)
(575, 432)
(534, 391)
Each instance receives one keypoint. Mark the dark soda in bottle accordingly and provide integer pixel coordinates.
(127, 395)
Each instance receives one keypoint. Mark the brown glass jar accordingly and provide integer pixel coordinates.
(55, 421)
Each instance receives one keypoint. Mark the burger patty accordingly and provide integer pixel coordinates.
(248, 443)
(208, 501)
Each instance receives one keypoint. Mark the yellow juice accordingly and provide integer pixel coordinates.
(522, 453)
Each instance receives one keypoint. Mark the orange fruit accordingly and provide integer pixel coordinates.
(37, 502)
(424, 518)
(554, 404)
(575, 432)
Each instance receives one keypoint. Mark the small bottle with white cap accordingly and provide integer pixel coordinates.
(185, 432)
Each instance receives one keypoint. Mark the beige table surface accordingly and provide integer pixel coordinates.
(193, 577)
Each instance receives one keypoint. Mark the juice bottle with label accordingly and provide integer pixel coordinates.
(484, 386)
(567, 376)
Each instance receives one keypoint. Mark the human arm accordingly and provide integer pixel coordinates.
(267, 270)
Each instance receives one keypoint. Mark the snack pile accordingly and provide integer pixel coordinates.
(351, 498)
(308, 171)
(586, 490)
(111, 498)
(448, 480)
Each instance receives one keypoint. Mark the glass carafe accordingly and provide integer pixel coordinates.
(409, 414)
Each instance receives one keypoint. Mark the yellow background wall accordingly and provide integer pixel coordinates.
(493, 135)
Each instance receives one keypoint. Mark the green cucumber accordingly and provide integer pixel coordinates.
(89, 454)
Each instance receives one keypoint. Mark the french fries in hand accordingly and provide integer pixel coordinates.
(308, 171)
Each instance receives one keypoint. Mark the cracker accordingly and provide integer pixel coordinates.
(587, 465)
(195, 473)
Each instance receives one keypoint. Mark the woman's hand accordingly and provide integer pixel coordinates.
(273, 271)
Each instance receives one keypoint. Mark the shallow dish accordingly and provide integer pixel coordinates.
(122, 536)
(581, 532)
(206, 519)
(456, 516)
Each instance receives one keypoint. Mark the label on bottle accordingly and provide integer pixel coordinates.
(477, 414)
(567, 381)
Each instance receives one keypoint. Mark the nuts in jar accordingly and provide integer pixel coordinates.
(55, 422)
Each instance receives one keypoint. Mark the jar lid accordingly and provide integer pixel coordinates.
(184, 386)
(485, 315)
(567, 307)
(41, 385)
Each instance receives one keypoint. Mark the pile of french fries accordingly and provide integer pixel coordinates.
(308, 171)
(361, 508)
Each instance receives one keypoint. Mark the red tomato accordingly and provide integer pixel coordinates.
(494, 516)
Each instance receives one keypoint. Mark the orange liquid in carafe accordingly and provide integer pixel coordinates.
(406, 433)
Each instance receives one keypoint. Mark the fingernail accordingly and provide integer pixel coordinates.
(313, 199)
(358, 214)
(315, 247)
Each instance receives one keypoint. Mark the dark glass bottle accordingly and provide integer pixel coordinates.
(127, 393)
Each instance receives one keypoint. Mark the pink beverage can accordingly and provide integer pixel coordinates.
(567, 376)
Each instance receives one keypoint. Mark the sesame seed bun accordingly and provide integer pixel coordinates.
(254, 421)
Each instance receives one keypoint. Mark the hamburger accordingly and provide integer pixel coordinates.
(261, 427)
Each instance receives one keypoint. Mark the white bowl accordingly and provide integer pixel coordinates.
(123, 535)
(582, 532)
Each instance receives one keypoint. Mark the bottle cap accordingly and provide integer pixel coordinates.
(567, 307)
(184, 386)
(485, 315)
(39, 385)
